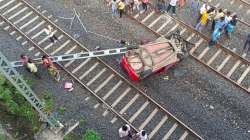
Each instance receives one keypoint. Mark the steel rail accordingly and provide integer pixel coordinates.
(92, 92)
(132, 85)
(245, 2)
(105, 64)
(199, 33)
(196, 32)
(247, 62)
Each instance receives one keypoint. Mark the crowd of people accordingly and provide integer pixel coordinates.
(219, 20)
(167, 5)
(125, 133)
(47, 63)
(122, 6)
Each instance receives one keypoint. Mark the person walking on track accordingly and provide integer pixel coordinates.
(195, 6)
(33, 68)
(230, 26)
(172, 5)
(215, 36)
(121, 7)
(203, 20)
(131, 4)
(247, 43)
(137, 5)
(204, 8)
(113, 4)
(145, 5)
(50, 33)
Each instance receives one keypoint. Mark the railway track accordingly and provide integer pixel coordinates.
(223, 61)
(128, 103)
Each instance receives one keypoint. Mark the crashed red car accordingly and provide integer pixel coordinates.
(153, 57)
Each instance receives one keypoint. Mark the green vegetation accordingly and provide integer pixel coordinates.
(49, 103)
(2, 137)
(28, 80)
(91, 135)
(72, 136)
(61, 110)
(82, 120)
(15, 103)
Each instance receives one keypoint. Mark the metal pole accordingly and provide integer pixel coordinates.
(16, 79)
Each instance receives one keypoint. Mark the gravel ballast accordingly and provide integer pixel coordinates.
(213, 107)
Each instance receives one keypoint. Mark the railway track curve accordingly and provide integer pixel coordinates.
(225, 62)
(26, 24)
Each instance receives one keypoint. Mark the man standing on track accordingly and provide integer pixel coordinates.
(247, 43)
(215, 36)
(113, 4)
(137, 4)
(50, 33)
(145, 5)
(172, 5)
(121, 7)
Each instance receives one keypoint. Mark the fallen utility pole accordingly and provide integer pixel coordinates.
(16, 79)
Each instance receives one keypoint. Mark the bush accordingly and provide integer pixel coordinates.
(61, 110)
(2, 137)
(82, 120)
(91, 135)
(49, 103)
(15, 103)
(72, 136)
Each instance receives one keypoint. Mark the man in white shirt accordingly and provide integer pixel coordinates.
(204, 7)
(50, 33)
(172, 5)
(124, 131)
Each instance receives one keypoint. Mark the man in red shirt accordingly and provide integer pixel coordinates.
(47, 62)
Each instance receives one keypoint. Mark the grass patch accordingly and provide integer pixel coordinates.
(62, 110)
(82, 121)
(91, 135)
(72, 136)
(49, 102)
(15, 103)
(2, 137)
